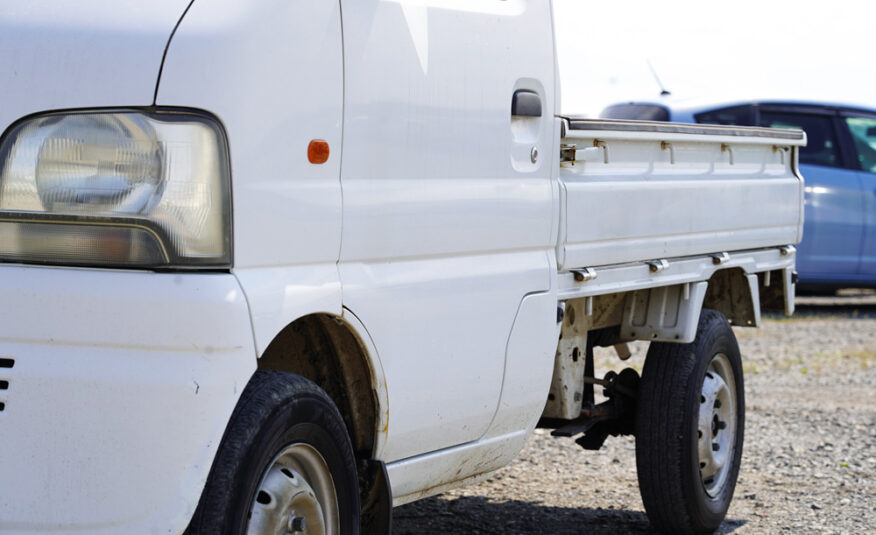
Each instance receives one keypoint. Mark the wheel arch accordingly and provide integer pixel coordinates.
(671, 313)
(328, 350)
(735, 294)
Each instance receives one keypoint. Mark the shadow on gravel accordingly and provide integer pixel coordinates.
(848, 303)
(477, 514)
(863, 310)
(826, 311)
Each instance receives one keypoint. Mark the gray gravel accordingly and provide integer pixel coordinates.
(809, 462)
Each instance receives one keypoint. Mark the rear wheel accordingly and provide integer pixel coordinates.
(285, 465)
(689, 428)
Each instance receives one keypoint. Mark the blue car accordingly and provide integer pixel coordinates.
(838, 165)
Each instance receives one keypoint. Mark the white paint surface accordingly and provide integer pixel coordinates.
(437, 235)
(447, 220)
(122, 385)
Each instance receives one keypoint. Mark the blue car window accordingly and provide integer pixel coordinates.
(863, 131)
(821, 147)
(737, 116)
(639, 112)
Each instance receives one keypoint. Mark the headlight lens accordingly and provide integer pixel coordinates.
(116, 188)
(98, 163)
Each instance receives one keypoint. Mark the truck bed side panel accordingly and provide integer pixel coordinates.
(642, 195)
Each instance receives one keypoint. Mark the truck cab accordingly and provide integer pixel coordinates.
(279, 266)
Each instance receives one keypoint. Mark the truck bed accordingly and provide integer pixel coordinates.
(635, 191)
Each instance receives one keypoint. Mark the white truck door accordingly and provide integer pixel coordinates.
(447, 200)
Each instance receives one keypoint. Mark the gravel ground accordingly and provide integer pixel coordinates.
(808, 466)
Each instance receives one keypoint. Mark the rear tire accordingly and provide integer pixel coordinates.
(285, 464)
(689, 428)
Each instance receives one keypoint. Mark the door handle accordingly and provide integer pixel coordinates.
(526, 103)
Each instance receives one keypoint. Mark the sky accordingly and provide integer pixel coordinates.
(704, 50)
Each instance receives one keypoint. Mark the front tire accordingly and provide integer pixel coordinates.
(689, 428)
(285, 465)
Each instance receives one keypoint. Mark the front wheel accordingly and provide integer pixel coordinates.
(285, 465)
(689, 428)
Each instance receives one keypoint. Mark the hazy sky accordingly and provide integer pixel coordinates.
(705, 49)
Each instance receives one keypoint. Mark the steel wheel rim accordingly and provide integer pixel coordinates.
(296, 494)
(717, 425)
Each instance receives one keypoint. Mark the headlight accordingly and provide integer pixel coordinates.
(116, 188)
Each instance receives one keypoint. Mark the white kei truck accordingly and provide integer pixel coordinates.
(277, 266)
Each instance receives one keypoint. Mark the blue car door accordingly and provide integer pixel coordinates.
(868, 248)
(863, 136)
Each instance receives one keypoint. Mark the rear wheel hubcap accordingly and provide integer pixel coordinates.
(716, 427)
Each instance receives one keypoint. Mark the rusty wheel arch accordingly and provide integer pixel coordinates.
(326, 350)
(730, 294)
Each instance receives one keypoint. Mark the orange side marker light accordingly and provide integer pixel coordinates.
(318, 151)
